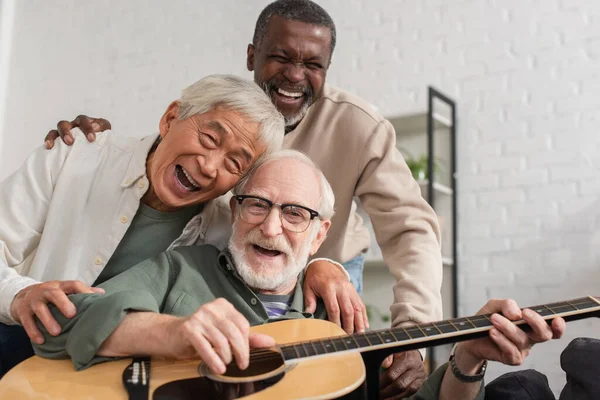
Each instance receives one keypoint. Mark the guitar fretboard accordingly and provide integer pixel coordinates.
(431, 333)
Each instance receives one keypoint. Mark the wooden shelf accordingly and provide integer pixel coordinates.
(417, 123)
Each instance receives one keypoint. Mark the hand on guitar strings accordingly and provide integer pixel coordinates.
(218, 333)
(404, 376)
(506, 342)
(33, 301)
(344, 306)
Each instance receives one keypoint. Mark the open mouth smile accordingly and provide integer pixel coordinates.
(266, 252)
(289, 96)
(185, 180)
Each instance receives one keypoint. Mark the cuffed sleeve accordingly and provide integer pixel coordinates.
(97, 317)
(143, 287)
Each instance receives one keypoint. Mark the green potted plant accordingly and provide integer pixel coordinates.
(419, 166)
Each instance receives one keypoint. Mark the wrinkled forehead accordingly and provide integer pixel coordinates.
(286, 180)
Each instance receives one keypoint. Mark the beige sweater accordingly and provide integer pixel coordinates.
(355, 147)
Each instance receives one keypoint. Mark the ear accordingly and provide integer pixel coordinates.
(250, 57)
(168, 117)
(321, 236)
(232, 206)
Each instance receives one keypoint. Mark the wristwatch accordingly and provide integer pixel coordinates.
(462, 377)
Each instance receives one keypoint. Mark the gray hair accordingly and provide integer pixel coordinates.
(294, 10)
(327, 200)
(241, 95)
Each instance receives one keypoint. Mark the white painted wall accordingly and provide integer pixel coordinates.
(525, 74)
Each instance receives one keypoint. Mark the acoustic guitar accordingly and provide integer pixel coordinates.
(314, 360)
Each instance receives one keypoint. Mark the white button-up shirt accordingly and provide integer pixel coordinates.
(63, 213)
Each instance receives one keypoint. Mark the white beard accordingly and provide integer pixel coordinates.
(262, 277)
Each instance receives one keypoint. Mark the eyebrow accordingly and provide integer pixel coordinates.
(262, 194)
(220, 129)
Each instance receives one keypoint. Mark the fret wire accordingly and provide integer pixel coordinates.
(408, 334)
(469, 321)
(330, 340)
(394, 336)
(325, 345)
(435, 326)
(313, 346)
(572, 305)
(580, 301)
(422, 331)
(299, 346)
(379, 336)
(368, 341)
(296, 351)
(305, 348)
(334, 346)
(454, 326)
(343, 342)
(549, 309)
(353, 338)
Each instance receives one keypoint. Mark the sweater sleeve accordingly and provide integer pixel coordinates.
(25, 198)
(144, 287)
(406, 228)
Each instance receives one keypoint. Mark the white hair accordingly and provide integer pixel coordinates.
(327, 200)
(241, 95)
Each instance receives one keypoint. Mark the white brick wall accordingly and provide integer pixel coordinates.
(525, 74)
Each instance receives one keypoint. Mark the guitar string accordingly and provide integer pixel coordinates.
(444, 323)
(481, 317)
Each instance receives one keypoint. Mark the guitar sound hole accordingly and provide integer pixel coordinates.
(264, 364)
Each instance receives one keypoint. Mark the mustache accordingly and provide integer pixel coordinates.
(277, 243)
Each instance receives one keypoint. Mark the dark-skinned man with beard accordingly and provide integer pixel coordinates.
(355, 148)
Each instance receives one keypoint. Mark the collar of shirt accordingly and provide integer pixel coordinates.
(137, 165)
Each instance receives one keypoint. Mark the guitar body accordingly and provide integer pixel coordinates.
(314, 378)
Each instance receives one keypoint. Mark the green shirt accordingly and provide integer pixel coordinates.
(175, 282)
(151, 232)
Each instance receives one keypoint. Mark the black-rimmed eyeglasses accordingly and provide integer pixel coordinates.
(294, 217)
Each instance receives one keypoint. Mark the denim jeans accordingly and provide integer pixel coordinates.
(355, 269)
(15, 347)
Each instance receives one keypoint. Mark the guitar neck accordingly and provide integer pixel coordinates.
(432, 334)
